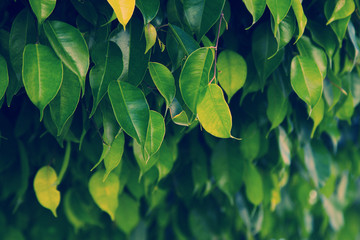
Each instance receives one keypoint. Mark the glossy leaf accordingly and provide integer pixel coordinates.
(339, 26)
(131, 109)
(155, 134)
(285, 31)
(178, 115)
(70, 46)
(45, 184)
(184, 40)
(148, 9)
(341, 9)
(4, 76)
(317, 115)
(232, 71)
(127, 215)
(150, 36)
(123, 9)
(105, 193)
(256, 8)
(214, 113)
(42, 75)
(253, 184)
(306, 80)
(114, 155)
(42, 9)
(300, 17)
(195, 75)
(202, 14)
(107, 58)
(144, 164)
(279, 9)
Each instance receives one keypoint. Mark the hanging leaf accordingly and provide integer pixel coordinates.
(70, 46)
(163, 80)
(332, 89)
(114, 155)
(178, 115)
(148, 9)
(194, 76)
(202, 15)
(341, 9)
(131, 109)
(253, 184)
(251, 143)
(214, 113)
(127, 215)
(278, 9)
(150, 36)
(107, 58)
(339, 26)
(306, 80)
(166, 160)
(232, 71)
(284, 146)
(144, 164)
(354, 41)
(256, 8)
(42, 9)
(317, 115)
(123, 9)
(105, 194)
(4, 76)
(324, 37)
(155, 134)
(87, 10)
(286, 30)
(300, 17)
(45, 188)
(42, 75)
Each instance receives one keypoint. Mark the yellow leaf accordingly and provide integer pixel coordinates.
(150, 36)
(123, 10)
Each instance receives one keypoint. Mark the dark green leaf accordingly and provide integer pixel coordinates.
(149, 9)
(4, 76)
(250, 145)
(87, 10)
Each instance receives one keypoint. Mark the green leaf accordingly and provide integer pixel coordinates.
(164, 81)
(284, 146)
(114, 155)
(341, 9)
(232, 71)
(339, 26)
(87, 10)
(105, 194)
(133, 45)
(42, 8)
(184, 40)
(178, 115)
(251, 143)
(42, 75)
(123, 9)
(166, 159)
(253, 184)
(256, 8)
(354, 41)
(317, 161)
(194, 76)
(144, 164)
(332, 90)
(150, 36)
(300, 17)
(107, 58)
(317, 115)
(45, 188)
(202, 14)
(64, 104)
(306, 80)
(70, 46)
(227, 168)
(131, 109)
(127, 215)
(155, 134)
(148, 9)
(279, 9)
(346, 109)
(214, 113)
(4, 76)
(286, 30)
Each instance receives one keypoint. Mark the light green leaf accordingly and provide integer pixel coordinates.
(214, 113)
(202, 14)
(163, 80)
(4, 76)
(253, 184)
(42, 8)
(256, 8)
(336, 214)
(123, 9)
(284, 146)
(127, 215)
(279, 9)
(317, 115)
(114, 155)
(166, 159)
(339, 26)
(232, 71)
(107, 58)
(300, 17)
(42, 75)
(194, 77)
(45, 188)
(346, 109)
(150, 36)
(155, 134)
(251, 143)
(144, 164)
(306, 80)
(105, 194)
(70, 46)
(227, 168)
(148, 9)
(133, 45)
(286, 30)
(64, 104)
(341, 9)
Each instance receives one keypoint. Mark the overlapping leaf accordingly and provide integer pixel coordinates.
(256, 8)
(149, 9)
(42, 8)
(278, 9)
(123, 9)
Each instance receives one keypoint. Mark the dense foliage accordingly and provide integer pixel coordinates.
(179, 119)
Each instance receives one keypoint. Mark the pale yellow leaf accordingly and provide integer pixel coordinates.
(123, 9)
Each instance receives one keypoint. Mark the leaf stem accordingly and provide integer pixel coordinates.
(216, 46)
(65, 162)
(338, 87)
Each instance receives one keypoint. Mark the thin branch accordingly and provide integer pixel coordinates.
(338, 87)
(216, 47)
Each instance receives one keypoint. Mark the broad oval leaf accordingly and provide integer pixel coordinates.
(279, 9)
(105, 193)
(300, 17)
(232, 71)
(64, 104)
(42, 75)
(4, 76)
(285, 31)
(150, 36)
(253, 184)
(70, 46)
(250, 145)
(123, 9)
(127, 215)
(113, 157)
(45, 183)
(155, 134)
(148, 9)
(214, 113)
(42, 8)
(256, 8)
(317, 114)
(341, 9)
(163, 80)
(131, 109)
(194, 76)
(306, 80)
(107, 58)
